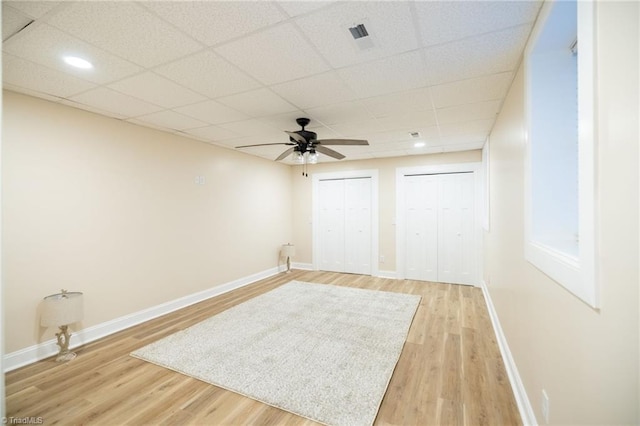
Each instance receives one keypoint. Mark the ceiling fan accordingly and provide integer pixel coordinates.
(304, 141)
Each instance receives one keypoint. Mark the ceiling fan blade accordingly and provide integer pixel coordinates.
(284, 154)
(265, 144)
(329, 152)
(296, 137)
(342, 142)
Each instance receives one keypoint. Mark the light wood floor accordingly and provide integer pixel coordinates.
(450, 371)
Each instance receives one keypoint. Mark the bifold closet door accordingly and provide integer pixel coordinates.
(421, 224)
(357, 235)
(331, 225)
(344, 224)
(456, 231)
(440, 228)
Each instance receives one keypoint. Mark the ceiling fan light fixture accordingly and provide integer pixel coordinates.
(297, 157)
(312, 157)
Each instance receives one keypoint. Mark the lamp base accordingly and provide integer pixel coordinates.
(69, 356)
(63, 341)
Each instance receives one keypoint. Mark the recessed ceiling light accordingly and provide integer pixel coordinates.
(74, 61)
(419, 144)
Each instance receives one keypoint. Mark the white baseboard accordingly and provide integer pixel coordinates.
(524, 405)
(49, 348)
(387, 274)
(303, 266)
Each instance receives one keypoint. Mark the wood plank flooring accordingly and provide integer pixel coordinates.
(450, 371)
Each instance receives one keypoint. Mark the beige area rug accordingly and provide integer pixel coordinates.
(321, 351)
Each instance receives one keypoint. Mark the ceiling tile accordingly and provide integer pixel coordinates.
(389, 24)
(33, 9)
(212, 133)
(382, 138)
(35, 77)
(209, 74)
(170, 120)
(394, 74)
(398, 103)
(287, 121)
(464, 140)
(408, 120)
(109, 100)
(443, 21)
(48, 46)
(485, 54)
(274, 55)
(475, 111)
(317, 90)
(213, 22)
(403, 123)
(357, 129)
(253, 127)
(212, 112)
(472, 128)
(296, 8)
(92, 109)
(258, 103)
(125, 29)
(12, 21)
(340, 113)
(158, 90)
(491, 87)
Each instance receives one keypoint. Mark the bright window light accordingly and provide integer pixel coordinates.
(77, 62)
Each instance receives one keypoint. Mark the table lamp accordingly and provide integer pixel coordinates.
(288, 251)
(61, 310)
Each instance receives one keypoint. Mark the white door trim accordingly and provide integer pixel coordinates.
(317, 177)
(401, 172)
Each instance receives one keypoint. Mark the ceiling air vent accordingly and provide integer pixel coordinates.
(414, 134)
(358, 31)
(361, 37)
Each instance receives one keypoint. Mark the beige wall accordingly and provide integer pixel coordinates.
(386, 167)
(109, 208)
(586, 359)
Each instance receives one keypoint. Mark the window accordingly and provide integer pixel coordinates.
(559, 197)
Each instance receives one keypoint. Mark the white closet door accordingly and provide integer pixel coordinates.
(344, 223)
(456, 242)
(358, 226)
(331, 225)
(440, 228)
(421, 219)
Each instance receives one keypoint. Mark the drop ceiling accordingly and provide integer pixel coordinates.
(240, 72)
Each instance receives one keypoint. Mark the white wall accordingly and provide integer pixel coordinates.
(109, 208)
(585, 359)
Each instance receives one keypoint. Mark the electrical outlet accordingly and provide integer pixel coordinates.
(545, 407)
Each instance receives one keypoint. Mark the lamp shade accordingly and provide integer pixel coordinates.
(62, 309)
(288, 250)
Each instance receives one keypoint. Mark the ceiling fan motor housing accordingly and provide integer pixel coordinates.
(309, 137)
